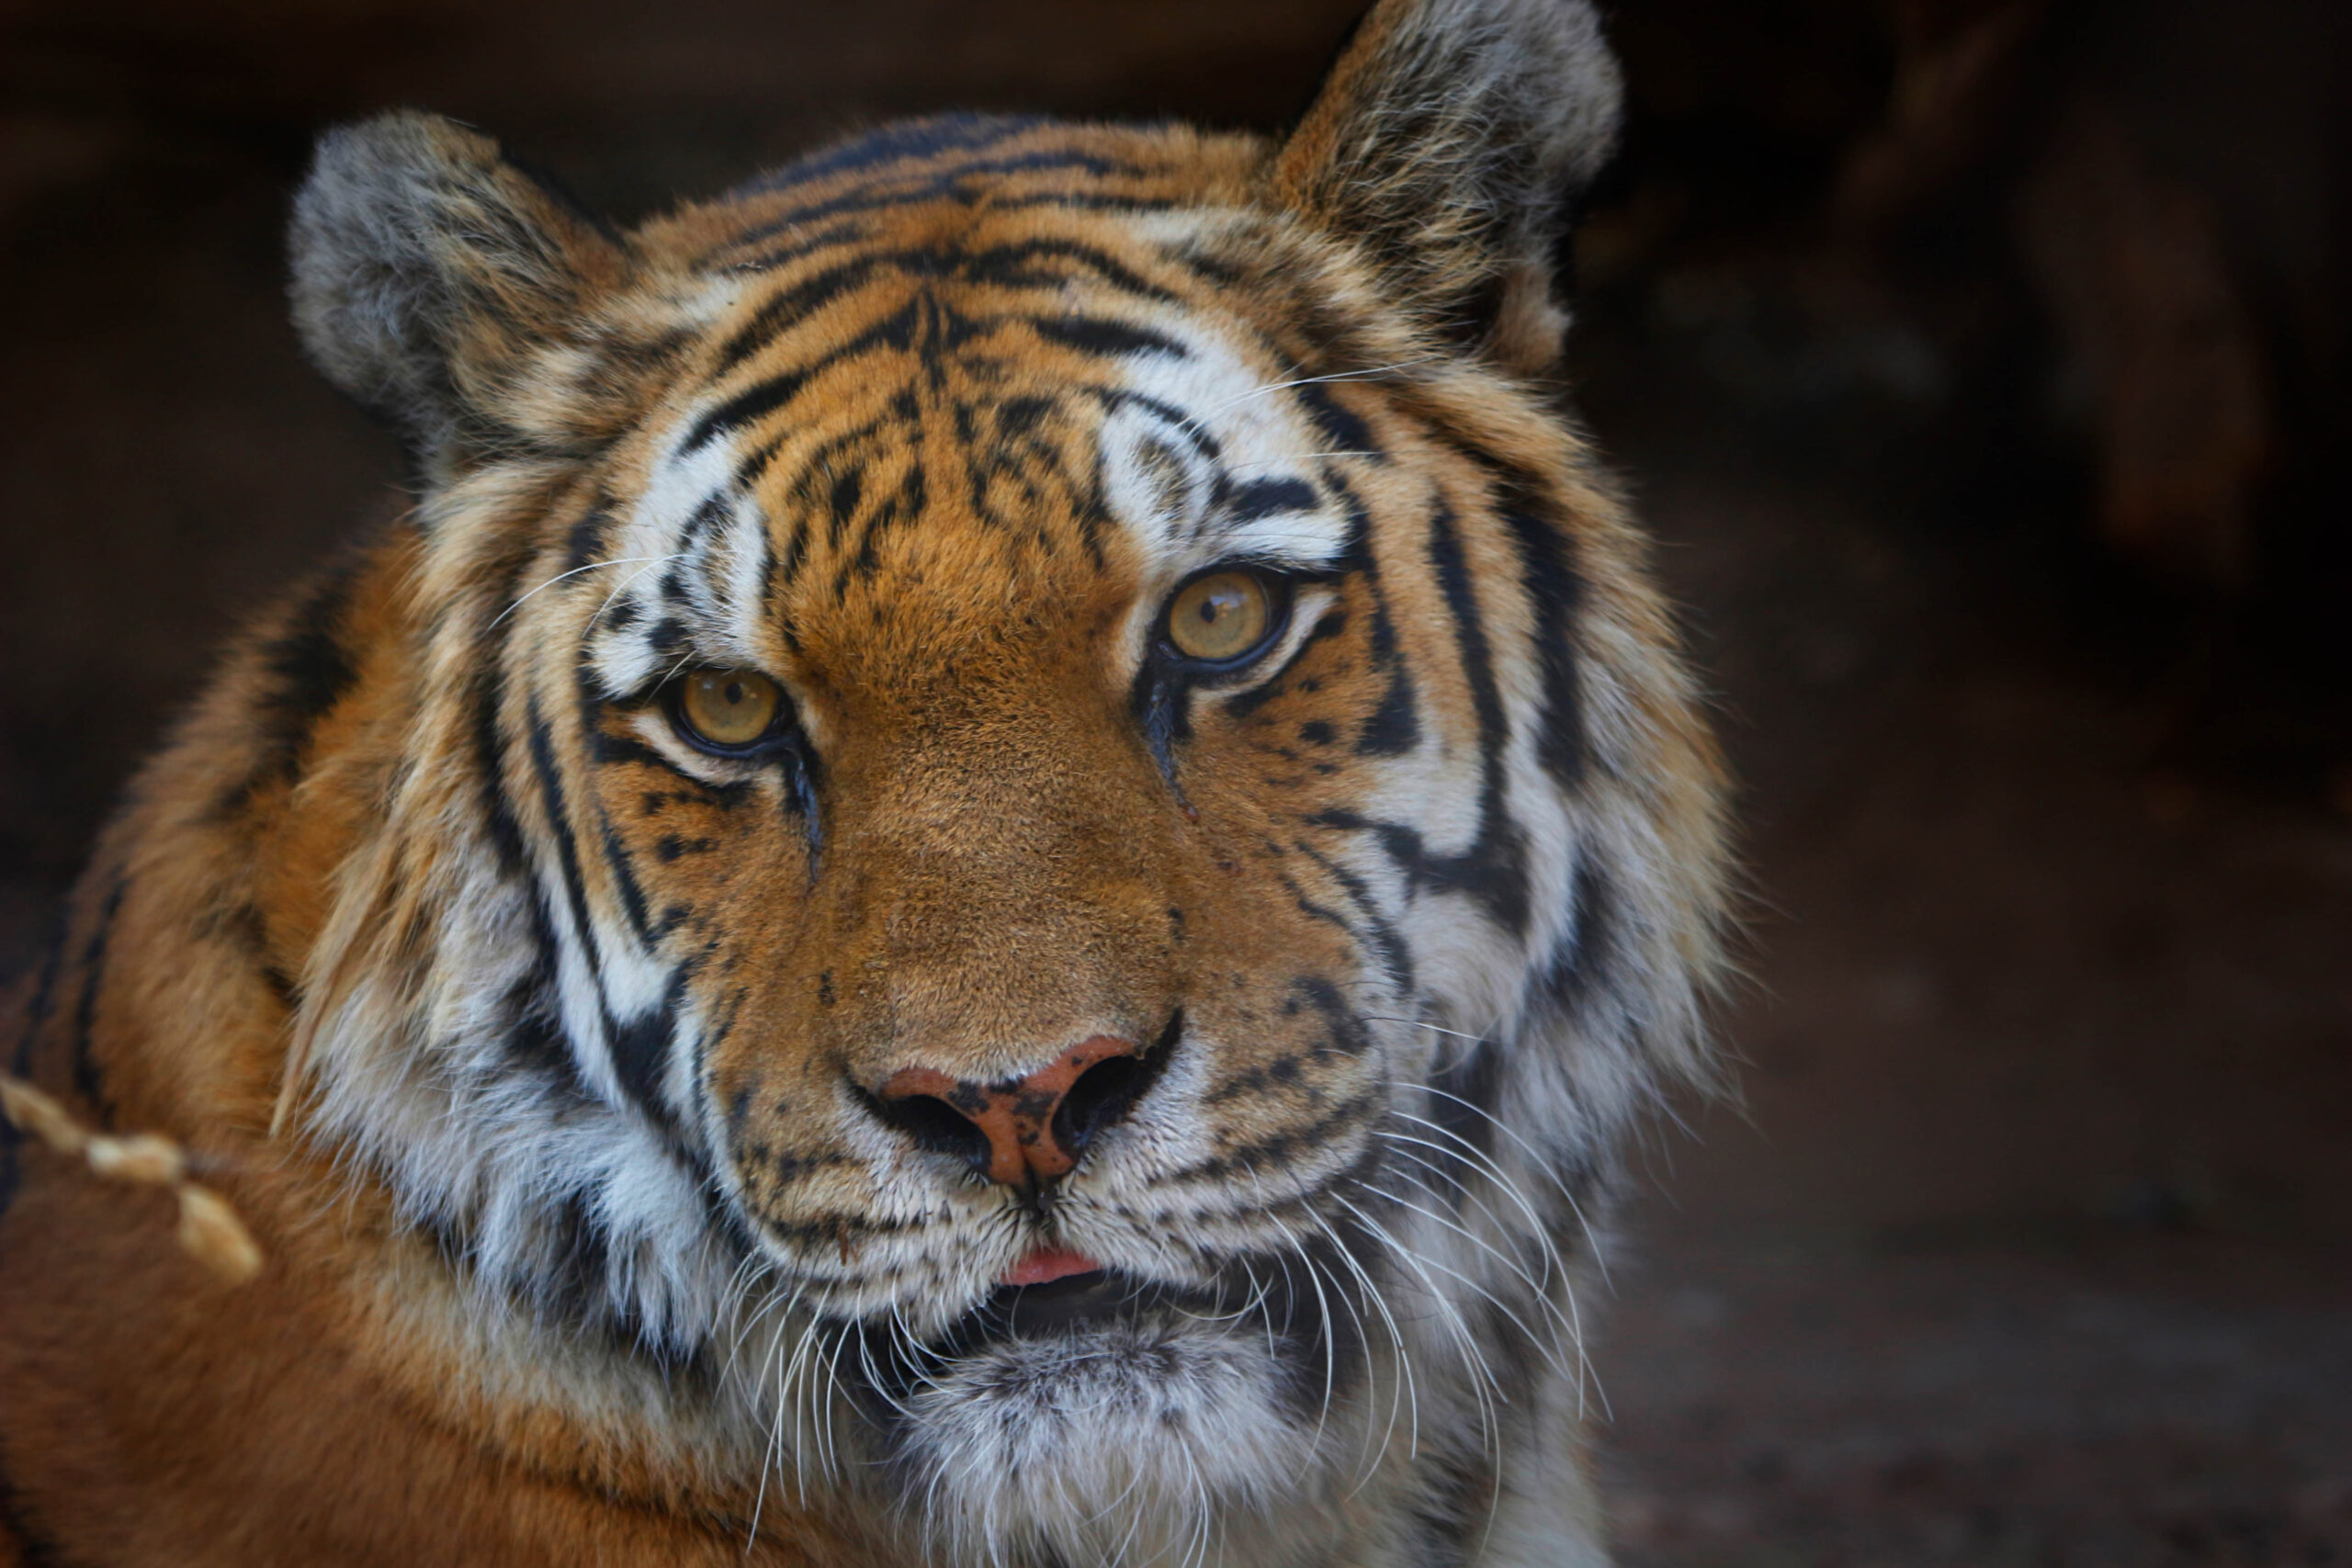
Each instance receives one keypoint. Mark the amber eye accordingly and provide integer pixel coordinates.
(1220, 616)
(728, 707)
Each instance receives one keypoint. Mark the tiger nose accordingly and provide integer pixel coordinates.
(1018, 1132)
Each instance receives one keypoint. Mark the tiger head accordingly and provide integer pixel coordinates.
(1049, 826)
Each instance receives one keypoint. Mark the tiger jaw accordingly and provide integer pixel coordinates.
(1052, 1413)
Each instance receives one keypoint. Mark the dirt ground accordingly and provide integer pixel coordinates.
(2026, 1245)
(2031, 1241)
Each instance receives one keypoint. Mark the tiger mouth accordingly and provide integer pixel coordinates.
(1076, 1307)
(1103, 1316)
(1088, 1296)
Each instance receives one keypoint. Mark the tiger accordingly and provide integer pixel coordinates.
(993, 875)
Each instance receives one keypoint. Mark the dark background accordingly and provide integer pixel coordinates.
(1982, 365)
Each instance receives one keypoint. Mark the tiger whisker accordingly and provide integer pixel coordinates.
(1554, 1265)
(1485, 1386)
(1599, 1255)
(1541, 1163)
(575, 572)
(1484, 1245)
(1198, 424)
(1330, 1357)
(1478, 1160)
(1407, 1386)
(1479, 1164)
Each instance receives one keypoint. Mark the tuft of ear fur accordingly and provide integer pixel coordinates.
(429, 270)
(1449, 141)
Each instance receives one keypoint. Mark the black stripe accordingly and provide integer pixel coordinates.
(1579, 965)
(931, 136)
(1492, 867)
(1264, 498)
(900, 331)
(551, 806)
(1470, 635)
(902, 506)
(585, 542)
(1348, 1035)
(804, 245)
(306, 672)
(1558, 593)
(307, 659)
(1460, 1506)
(576, 1286)
(793, 306)
(44, 997)
(1314, 911)
(951, 180)
(616, 857)
(642, 1053)
(1468, 1077)
(490, 761)
(1183, 426)
(1004, 264)
(1092, 334)
(1393, 955)
(753, 404)
(1278, 1148)
(1395, 727)
(624, 870)
(1084, 201)
(754, 464)
(88, 1082)
(1339, 425)
(637, 1047)
(533, 1037)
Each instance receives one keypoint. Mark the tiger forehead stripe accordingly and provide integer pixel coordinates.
(1012, 163)
(1198, 452)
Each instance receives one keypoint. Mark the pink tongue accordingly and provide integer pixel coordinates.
(1047, 1264)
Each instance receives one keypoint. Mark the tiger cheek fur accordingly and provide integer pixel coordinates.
(769, 998)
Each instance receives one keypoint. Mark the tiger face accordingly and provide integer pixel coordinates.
(1051, 826)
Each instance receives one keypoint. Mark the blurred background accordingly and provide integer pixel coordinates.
(1983, 368)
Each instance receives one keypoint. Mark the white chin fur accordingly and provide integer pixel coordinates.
(1114, 1445)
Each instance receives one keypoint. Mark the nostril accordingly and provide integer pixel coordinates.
(1102, 1094)
(936, 1126)
(1026, 1131)
(1106, 1090)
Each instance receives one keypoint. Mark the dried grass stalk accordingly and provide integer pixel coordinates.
(209, 1229)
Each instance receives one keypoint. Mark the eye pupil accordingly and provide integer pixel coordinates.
(1221, 616)
(728, 707)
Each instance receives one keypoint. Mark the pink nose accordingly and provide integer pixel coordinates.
(1020, 1131)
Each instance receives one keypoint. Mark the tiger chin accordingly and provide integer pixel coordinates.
(985, 880)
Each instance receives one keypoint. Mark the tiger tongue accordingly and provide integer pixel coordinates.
(1047, 1264)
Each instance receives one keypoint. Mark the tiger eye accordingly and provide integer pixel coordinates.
(729, 707)
(1220, 616)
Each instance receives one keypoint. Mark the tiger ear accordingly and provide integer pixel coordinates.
(429, 272)
(1451, 141)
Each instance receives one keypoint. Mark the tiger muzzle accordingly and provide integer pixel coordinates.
(1026, 1132)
